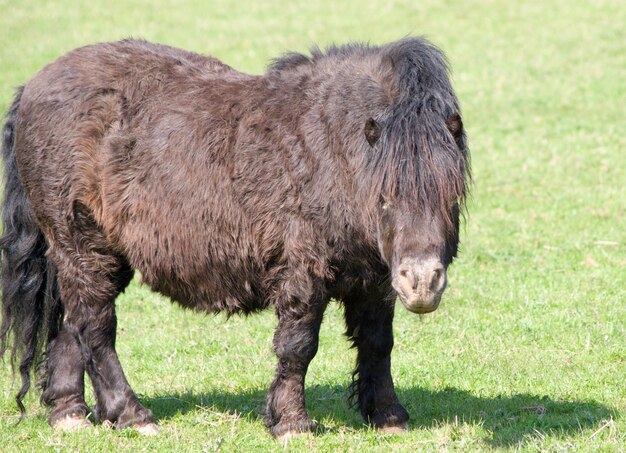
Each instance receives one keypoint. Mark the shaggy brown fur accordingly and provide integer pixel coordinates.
(227, 192)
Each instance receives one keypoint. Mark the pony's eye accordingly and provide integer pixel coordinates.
(372, 131)
(455, 126)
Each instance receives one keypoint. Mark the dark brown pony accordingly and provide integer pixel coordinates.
(337, 175)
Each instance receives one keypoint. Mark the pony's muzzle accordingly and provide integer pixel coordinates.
(420, 284)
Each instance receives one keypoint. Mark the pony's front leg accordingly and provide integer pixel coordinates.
(295, 343)
(369, 320)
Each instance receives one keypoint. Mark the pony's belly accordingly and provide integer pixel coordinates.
(213, 293)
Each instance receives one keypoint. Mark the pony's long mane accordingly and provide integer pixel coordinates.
(417, 159)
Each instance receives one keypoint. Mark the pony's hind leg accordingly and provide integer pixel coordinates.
(89, 302)
(90, 276)
(64, 387)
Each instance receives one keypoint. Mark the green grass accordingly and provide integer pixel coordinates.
(527, 351)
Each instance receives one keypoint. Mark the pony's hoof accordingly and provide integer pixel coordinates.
(71, 423)
(395, 429)
(148, 429)
(107, 424)
(286, 437)
(285, 431)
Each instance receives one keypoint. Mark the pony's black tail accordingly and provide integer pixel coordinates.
(31, 311)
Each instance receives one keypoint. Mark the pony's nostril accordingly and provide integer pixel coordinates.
(436, 282)
(410, 278)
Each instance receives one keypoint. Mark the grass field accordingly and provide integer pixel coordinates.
(527, 351)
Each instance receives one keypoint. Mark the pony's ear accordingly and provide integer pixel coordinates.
(372, 131)
(455, 126)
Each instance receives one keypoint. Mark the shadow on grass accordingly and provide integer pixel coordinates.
(508, 420)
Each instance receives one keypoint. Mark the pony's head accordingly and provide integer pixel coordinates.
(420, 165)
